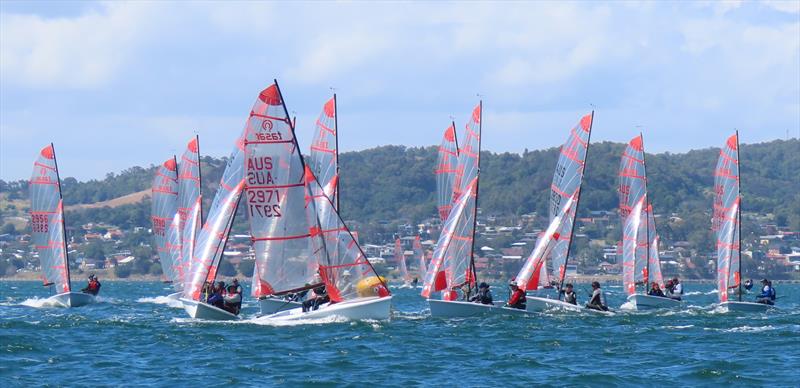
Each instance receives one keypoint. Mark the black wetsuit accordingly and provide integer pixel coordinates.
(321, 297)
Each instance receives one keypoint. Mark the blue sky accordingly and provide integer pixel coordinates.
(128, 83)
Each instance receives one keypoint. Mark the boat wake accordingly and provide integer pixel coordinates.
(165, 300)
(265, 321)
(627, 306)
(39, 303)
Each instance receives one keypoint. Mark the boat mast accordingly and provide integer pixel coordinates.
(646, 276)
(199, 179)
(63, 223)
(577, 204)
(739, 211)
(471, 269)
(336, 152)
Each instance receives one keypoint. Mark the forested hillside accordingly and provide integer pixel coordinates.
(396, 183)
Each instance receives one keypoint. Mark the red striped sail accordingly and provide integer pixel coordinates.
(534, 275)
(400, 258)
(419, 254)
(190, 206)
(166, 221)
(47, 220)
(726, 217)
(324, 157)
(633, 210)
(446, 167)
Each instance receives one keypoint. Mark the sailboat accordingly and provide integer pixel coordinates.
(49, 233)
(284, 266)
(400, 258)
(446, 169)
(726, 222)
(166, 222)
(296, 253)
(640, 261)
(419, 254)
(213, 236)
(555, 242)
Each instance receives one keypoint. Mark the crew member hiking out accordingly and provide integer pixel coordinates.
(320, 296)
(598, 300)
(768, 294)
(93, 286)
(517, 299)
(569, 294)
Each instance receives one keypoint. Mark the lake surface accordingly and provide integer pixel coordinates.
(132, 337)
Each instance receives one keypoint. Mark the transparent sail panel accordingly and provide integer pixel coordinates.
(400, 258)
(166, 222)
(324, 155)
(419, 254)
(726, 220)
(189, 206)
(47, 227)
(533, 274)
(446, 167)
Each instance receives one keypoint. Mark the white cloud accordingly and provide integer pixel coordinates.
(83, 52)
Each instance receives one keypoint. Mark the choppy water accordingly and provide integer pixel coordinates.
(132, 338)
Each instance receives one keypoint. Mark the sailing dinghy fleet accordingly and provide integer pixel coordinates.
(309, 264)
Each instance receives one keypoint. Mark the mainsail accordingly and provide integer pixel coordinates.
(47, 220)
(400, 258)
(446, 167)
(276, 199)
(640, 263)
(419, 253)
(166, 221)
(727, 217)
(324, 157)
(214, 234)
(343, 266)
(190, 206)
(533, 274)
(567, 184)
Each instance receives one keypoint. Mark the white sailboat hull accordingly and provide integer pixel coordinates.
(745, 307)
(71, 299)
(456, 309)
(537, 304)
(273, 305)
(356, 309)
(199, 310)
(648, 302)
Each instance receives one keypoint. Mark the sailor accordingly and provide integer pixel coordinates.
(569, 294)
(483, 296)
(217, 299)
(345, 285)
(655, 290)
(238, 288)
(748, 284)
(320, 296)
(677, 289)
(768, 294)
(414, 282)
(93, 285)
(598, 300)
(517, 299)
(233, 299)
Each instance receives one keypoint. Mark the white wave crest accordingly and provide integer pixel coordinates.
(744, 329)
(165, 300)
(40, 303)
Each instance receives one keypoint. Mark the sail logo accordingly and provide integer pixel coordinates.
(266, 125)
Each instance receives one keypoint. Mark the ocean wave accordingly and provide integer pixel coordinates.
(679, 327)
(165, 300)
(39, 303)
(628, 306)
(743, 329)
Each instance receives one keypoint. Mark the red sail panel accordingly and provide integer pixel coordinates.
(166, 221)
(190, 204)
(530, 275)
(435, 278)
(446, 168)
(324, 157)
(342, 262)
(726, 220)
(275, 192)
(400, 258)
(47, 227)
(567, 184)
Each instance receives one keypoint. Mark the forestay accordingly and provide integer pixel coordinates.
(190, 206)
(166, 221)
(725, 222)
(47, 220)
(324, 157)
(400, 258)
(276, 199)
(214, 233)
(446, 167)
(567, 184)
(342, 264)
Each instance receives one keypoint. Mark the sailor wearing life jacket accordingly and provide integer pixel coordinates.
(517, 299)
(768, 294)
